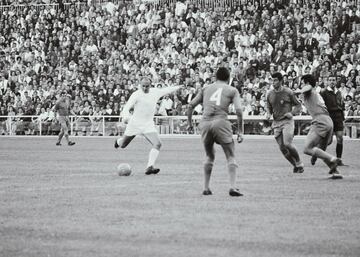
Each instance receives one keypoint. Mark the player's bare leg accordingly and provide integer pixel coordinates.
(288, 143)
(154, 140)
(312, 143)
(123, 142)
(339, 145)
(323, 145)
(60, 136)
(285, 151)
(229, 150)
(208, 165)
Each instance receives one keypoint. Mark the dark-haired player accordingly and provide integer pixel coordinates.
(283, 105)
(216, 128)
(141, 122)
(321, 130)
(62, 109)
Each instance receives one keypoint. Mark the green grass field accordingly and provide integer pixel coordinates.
(69, 201)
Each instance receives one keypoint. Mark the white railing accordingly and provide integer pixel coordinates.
(112, 125)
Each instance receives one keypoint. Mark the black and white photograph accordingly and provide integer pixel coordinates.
(182, 128)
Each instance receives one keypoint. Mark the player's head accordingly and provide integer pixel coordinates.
(277, 79)
(223, 74)
(63, 95)
(146, 84)
(308, 83)
(332, 80)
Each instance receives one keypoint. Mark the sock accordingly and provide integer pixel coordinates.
(322, 154)
(339, 150)
(119, 140)
(154, 153)
(207, 174)
(232, 174)
(67, 138)
(61, 134)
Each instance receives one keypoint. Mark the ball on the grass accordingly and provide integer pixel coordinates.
(124, 169)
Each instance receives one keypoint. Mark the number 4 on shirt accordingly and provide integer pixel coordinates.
(216, 96)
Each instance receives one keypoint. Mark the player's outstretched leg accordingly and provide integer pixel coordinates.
(123, 142)
(229, 150)
(155, 141)
(311, 143)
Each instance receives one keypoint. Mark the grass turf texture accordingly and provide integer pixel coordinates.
(69, 201)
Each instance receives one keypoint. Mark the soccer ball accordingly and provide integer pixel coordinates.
(124, 169)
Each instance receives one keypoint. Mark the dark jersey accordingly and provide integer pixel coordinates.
(281, 102)
(62, 107)
(216, 100)
(333, 101)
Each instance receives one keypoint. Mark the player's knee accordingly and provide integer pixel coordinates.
(209, 161)
(339, 140)
(307, 150)
(157, 145)
(287, 143)
(209, 164)
(232, 163)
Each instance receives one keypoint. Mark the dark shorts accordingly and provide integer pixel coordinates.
(338, 120)
(322, 126)
(64, 123)
(218, 131)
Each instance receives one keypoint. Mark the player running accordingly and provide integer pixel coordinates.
(321, 130)
(215, 127)
(62, 108)
(335, 105)
(143, 101)
(282, 104)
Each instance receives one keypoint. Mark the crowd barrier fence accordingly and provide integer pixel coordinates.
(112, 125)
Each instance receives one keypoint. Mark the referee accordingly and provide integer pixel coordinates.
(335, 104)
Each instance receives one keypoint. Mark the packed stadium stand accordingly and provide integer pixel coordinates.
(98, 51)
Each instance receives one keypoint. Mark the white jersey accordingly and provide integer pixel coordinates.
(144, 104)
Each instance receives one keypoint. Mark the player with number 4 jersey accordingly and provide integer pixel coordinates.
(215, 127)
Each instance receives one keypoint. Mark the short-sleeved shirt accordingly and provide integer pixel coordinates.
(281, 102)
(63, 108)
(315, 104)
(216, 100)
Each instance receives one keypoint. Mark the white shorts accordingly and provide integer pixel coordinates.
(136, 127)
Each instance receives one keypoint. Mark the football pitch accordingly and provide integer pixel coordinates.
(69, 201)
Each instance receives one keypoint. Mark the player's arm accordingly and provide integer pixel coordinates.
(269, 109)
(55, 110)
(296, 110)
(239, 114)
(197, 100)
(71, 111)
(168, 90)
(125, 114)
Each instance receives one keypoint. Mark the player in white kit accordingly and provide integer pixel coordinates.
(141, 122)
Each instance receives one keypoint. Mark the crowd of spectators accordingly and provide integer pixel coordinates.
(99, 53)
